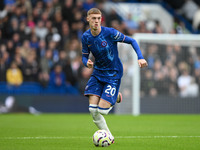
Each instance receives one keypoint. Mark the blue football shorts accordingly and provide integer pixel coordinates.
(105, 90)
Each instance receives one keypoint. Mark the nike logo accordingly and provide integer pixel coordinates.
(89, 45)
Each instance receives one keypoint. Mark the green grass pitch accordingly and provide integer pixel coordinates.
(74, 132)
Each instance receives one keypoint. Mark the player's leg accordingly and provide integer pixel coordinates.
(104, 108)
(109, 98)
(110, 94)
(98, 119)
(93, 90)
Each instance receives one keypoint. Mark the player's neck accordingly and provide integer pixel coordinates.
(95, 32)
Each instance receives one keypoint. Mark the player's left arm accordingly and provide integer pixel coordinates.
(119, 37)
(141, 61)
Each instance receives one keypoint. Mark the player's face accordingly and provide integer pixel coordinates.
(94, 21)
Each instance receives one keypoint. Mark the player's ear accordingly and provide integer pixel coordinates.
(87, 18)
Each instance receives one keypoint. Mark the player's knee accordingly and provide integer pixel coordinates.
(104, 111)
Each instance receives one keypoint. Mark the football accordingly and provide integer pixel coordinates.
(102, 138)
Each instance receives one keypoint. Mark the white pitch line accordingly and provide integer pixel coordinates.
(40, 137)
(75, 137)
(154, 137)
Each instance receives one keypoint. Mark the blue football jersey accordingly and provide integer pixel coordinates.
(107, 64)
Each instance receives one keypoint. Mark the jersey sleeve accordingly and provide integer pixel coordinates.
(117, 36)
(85, 49)
(85, 52)
(135, 46)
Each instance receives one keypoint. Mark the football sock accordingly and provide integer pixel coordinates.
(98, 119)
(104, 111)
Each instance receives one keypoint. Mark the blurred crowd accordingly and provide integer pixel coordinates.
(189, 9)
(174, 70)
(40, 40)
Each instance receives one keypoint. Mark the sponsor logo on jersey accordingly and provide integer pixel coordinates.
(103, 43)
(108, 95)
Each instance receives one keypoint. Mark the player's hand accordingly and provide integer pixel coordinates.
(142, 63)
(90, 64)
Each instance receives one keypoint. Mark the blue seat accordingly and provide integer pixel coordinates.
(36, 88)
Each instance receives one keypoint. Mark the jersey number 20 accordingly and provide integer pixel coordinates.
(110, 90)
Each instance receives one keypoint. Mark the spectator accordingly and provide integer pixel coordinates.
(112, 15)
(65, 34)
(85, 74)
(4, 62)
(31, 68)
(56, 5)
(14, 75)
(13, 27)
(42, 49)
(44, 17)
(57, 76)
(56, 38)
(196, 19)
(71, 76)
(57, 23)
(30, 22)
(16, 38)
(2, 41)
(19, 60)
(25, 49)
(26, 5)
(148, 83)
(161, 83)
(51, 31)
(197, 67)
(73, 50)
(88, 4)
(77, 25)
(131, 24)
(158, 27)
(34, 42)
(10, 48)
(67, 12)
(55, 52)
(188, 9)
(172, 79)
(187, 85)
(49, 7)
(46, 64)
(67, 68)
(40, 30)
(24, 31)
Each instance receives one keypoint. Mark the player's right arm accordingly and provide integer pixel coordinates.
(85, 54)
(90, 63)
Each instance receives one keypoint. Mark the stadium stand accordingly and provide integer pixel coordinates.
(39, 34)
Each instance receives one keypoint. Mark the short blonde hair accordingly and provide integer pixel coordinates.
(93, 11)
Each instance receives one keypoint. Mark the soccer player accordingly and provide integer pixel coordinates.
(103, 85)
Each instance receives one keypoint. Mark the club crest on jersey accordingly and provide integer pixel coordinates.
(103, 43)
